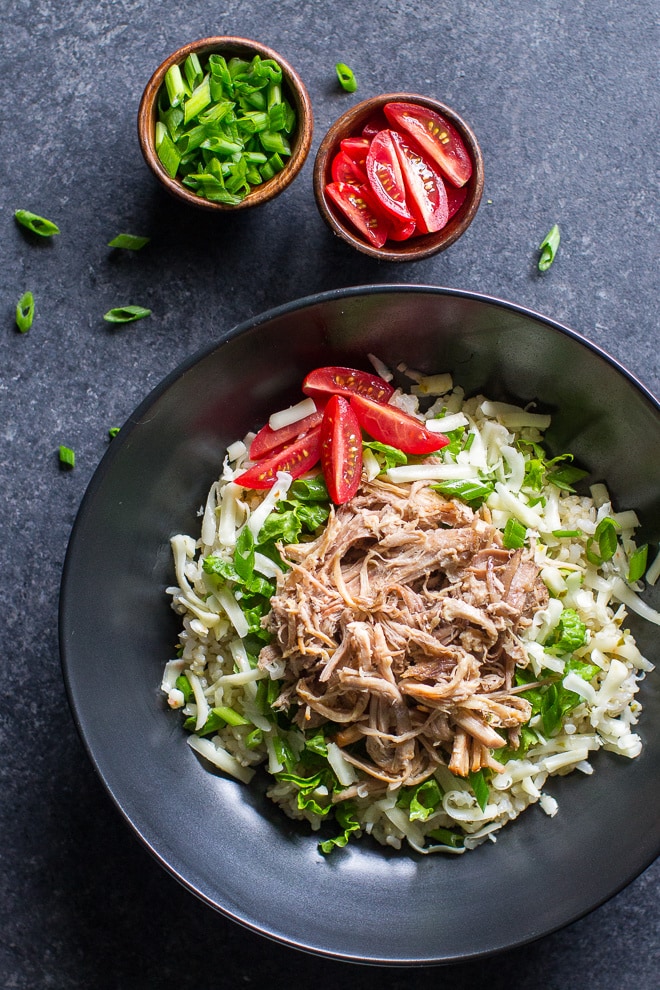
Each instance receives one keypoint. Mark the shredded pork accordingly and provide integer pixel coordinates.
(400, 624)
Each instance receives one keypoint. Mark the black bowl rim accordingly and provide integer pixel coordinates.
(97, 479)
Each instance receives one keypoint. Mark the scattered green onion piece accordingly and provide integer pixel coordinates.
(176, 90)
(113, 431)
(561, 534)
(25, 312)
(67, 457)
(129, 242)
(126, 314)
(480, 787)
(637, 564)
(38, 225)
(548, 248)
(346, 77)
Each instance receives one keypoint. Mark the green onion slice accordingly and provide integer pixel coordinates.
(113, 431)
(346, 77)
(548, 248)
(637, 564)
(126, 314)
(129, 242)
(513, 536)
(38, 225)
(25, 312)
(67, 457)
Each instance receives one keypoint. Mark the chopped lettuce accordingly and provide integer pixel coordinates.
(345, 817)
(422, 801)
(387, 457)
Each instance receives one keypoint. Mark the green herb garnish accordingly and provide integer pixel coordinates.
(126, 314)
(128, 242)
(346, 77)
(548, 248)
(38, 225)
(25, 312)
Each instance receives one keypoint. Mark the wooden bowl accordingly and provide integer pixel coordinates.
(350, 124)
(293, 88)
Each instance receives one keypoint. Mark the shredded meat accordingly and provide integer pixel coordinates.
(399, 624)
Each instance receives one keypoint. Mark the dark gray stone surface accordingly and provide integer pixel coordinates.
(563, 97)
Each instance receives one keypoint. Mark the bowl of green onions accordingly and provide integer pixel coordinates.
(225, 123)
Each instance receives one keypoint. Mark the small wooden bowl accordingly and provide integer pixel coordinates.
(293, 88)
(350, 124)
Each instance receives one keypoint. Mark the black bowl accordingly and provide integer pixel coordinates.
(226, 842)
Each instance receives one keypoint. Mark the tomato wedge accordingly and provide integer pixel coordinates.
(268, 440)
(426, 193)
(295, 459)
(438, 138)
(377, 122)
(385, 177)
(392, 426)
(359, 204)
(341, 450)
(356, 148)
(455, 198)
(337, 380)
(345, 170)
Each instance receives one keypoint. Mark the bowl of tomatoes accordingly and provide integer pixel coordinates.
(399, 177)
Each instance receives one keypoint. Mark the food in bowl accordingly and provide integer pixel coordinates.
(404, 175)
(224, 126)
(413, 657)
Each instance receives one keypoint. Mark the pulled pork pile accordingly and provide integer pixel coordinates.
(399, 624)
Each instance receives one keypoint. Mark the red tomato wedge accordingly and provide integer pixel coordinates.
(361, 207)
(341, 450)
(385, 177)
(347, 381)
(268, 440)
(356, 148)
(455, 198)
(345, 170)
(377, 122)
(401, 230)
(436, 136)
(392, 426)
(426, 193)
(296, 459)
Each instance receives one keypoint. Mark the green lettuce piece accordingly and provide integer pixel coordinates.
(569, 634)
(422, 801)
(387, 456)
(345, 817)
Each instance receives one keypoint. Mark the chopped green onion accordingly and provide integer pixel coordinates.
(224, 128)
(513, 536)
(480, 787)
(176, 90)
(67, 457)
(126, 314)
(25, 312)
(129, 242)
(606, 538)
(38, 225)
(561, 534)
(548, 248)
(637, 564)
(346, 77)
(113, 431)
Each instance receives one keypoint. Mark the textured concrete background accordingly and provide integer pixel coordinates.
(563, 97)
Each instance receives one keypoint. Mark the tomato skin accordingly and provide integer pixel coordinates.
(393, 426)
(385, 177)
(377, 122)
(426, 193)
(296, 459)
(358, 203)
(436, 136)
(267, 440)
(341, 450)
(337, 380)
(401, 230)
